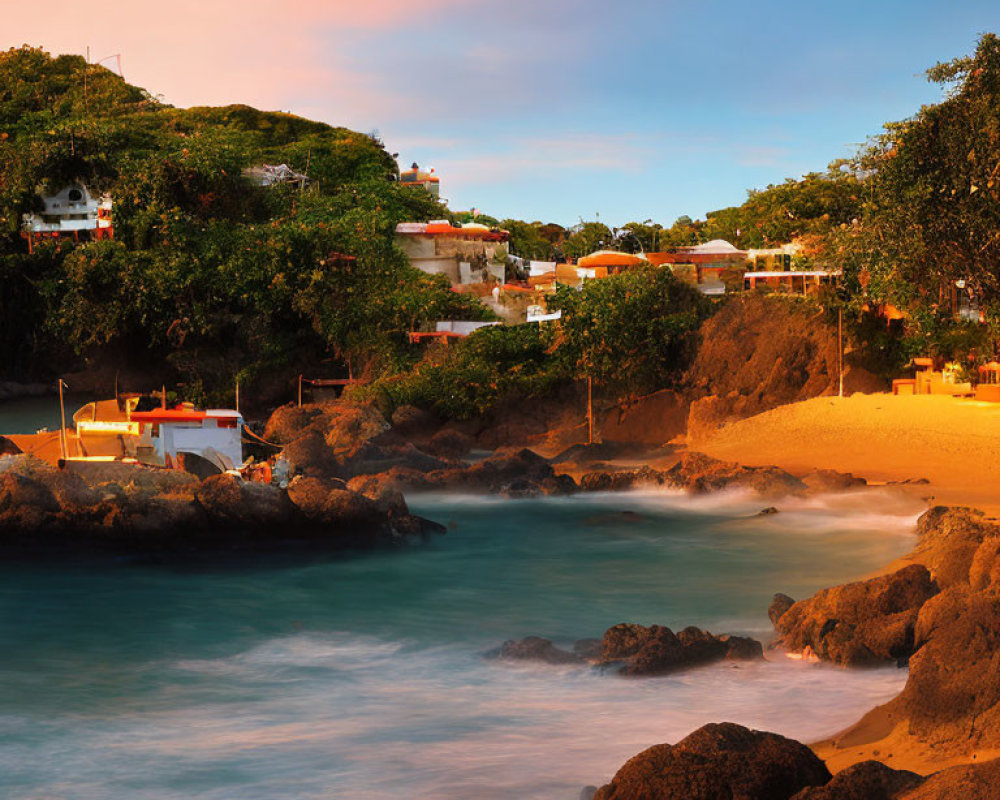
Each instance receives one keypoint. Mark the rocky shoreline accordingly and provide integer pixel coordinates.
(939, 613)
(350, 469)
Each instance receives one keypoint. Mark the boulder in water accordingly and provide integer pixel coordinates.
(718, 761)
(657, 650)
(867, 622)
(535, 648)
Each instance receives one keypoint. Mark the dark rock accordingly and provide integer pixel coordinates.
(68, 488)
(330, 502)
(290, 421)
(742, 648)
(623, 640)
(968, 782)
(948, 541)
(321, 439)
(622, 480)
(719, 762)
(780, 603)
(309, 454)
(230, 502)
(589, 649)
(700, 473)
(372, 458)
(450, 443)
(163, 516)
(411, 421)
(952, 692)
(867, 622)
(535, 648)
(869, 780)
(521, 489)
(657, 650)
(18, 492)
(766, 512)
(828, 480)
(398, 479)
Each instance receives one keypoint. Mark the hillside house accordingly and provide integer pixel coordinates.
(704, 265)
(71, 211)
(465, 254)
(414, 176)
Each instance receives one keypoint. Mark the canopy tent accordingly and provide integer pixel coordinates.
(609, 258)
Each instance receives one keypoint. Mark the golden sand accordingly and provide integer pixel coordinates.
(952, 443)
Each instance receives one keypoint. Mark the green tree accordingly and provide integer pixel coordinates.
(586, 238)
(629, 332)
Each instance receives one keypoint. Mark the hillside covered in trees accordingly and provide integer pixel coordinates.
(210, 278)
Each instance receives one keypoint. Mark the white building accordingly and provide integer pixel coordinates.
(72, 211)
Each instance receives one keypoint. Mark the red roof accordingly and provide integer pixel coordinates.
(168, 415)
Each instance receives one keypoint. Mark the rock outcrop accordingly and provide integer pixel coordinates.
(535, 648)
(657, 650)
(719, 761)
(143, 511)
(756, 353)
(970, 782)
(521, 473)
(862, 623)
(948, 541)
(948, 626)
(868, 780)
(700, 473)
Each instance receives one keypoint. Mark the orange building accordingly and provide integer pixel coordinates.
(427, 180)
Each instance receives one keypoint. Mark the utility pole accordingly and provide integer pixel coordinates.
(840, 351)
(63, 444)
(590, 410)
(86, 69)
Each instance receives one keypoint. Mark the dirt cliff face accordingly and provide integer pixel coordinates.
(759, 352)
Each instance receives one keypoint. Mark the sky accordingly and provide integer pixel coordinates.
(546, 109)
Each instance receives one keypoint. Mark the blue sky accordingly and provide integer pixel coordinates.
(550, 109)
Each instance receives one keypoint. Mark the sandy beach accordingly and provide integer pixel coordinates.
(952, 443)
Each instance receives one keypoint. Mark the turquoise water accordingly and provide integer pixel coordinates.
(363, 676)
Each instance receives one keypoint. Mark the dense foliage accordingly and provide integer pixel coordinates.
(628, 332)
(209, 273)
(932, 217)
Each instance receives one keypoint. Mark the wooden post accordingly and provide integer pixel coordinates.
(63, 445)
(840, 351)
(163, 396)
(590, 410)
(237, 397)
(300, 390)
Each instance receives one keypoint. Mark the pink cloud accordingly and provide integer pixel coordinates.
(196, 52)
